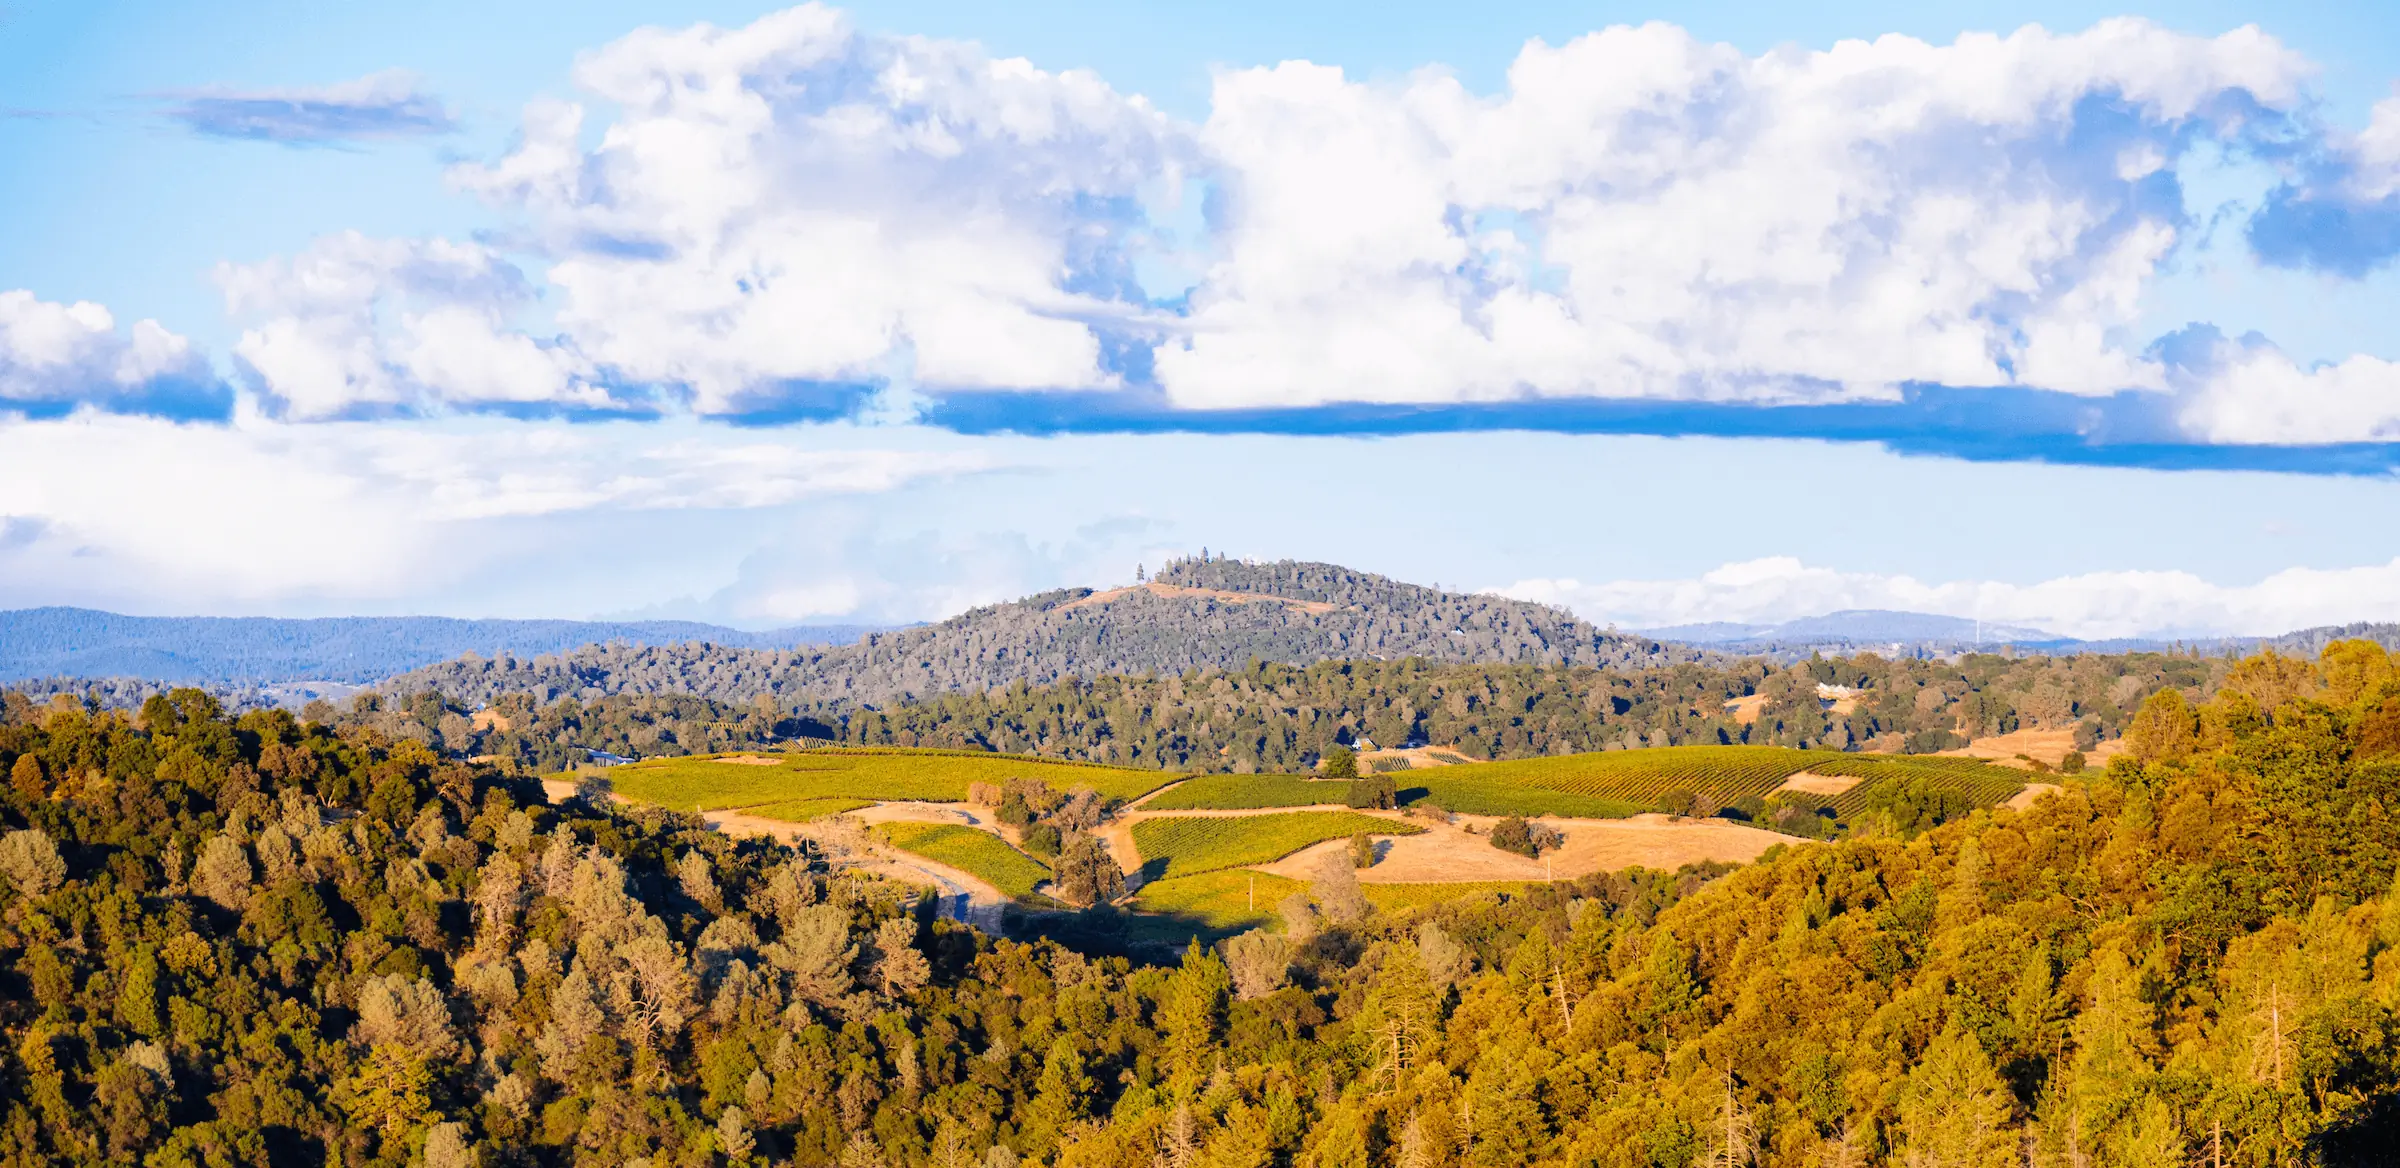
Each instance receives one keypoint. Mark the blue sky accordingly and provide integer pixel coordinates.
(879, 312)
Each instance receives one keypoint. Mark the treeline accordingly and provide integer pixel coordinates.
(255, 940)
(1281, 718)
(1044, 639)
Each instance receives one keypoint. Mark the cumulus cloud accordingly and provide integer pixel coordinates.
(783, 218)
(388, 104)
(1642, 214)
(795, 201)
(2092, 606)
(356, 325)
(58, 355)
(2249, 391)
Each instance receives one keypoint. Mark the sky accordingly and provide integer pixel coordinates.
(2052, 314)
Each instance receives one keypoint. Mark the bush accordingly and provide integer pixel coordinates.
(1043, 839)
(1513, 834)
(1362, 850)
(1931, 742)
(1376, 792)
(2072, 764)
(1014, 811)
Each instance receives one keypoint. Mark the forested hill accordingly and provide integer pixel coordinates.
(264, 941)
(81, 642)
(1213, 614)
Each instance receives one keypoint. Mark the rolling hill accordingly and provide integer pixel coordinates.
(81, 642)
(1212, 614)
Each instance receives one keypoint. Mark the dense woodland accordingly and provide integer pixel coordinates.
(1050, 637)
(259, 940)
(1281, 718)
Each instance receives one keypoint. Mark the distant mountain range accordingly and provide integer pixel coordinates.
(81, 642)
(1861, 630)
(1196, 614)
(1862, 626)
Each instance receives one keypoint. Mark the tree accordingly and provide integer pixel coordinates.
(1512, 834)
(1087, 874)
(1362, 850)
(1340, 763)
(31, 861)
(26, 778)
(1336, 888)
(1954, 1113)
(1260, 962)
(223, 873)
(898, 965)
(2166, 729)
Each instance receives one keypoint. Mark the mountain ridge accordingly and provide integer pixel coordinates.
(67, 641)
(1194, 614)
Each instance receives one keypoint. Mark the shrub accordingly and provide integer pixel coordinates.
(1043, 839)
(1514, 835)
(1362, 850)
(1376, 792)
(2072, 763)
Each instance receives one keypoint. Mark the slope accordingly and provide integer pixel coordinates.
(1215, 614)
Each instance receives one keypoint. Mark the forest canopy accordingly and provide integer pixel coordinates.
(259, 939)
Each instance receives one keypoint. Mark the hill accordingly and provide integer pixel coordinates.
(81, 642)
(1195, 615)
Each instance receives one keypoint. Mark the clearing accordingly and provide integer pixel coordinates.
(1816, 784)
(1450, 854)
(2046, 746)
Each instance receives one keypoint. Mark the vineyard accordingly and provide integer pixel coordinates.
(714, 783)
(1248, 793)
(1196, 844)
(979, 853)
(1220, 900)
(1713, 775)
(1608, 785)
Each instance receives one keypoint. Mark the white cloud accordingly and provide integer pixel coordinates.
(261, 512)
(53, 353)
(2249, 391)
(1644, 214)
(356, 324)
(2375, 153)
(795, 201)
(2091, 606)
(379, 105)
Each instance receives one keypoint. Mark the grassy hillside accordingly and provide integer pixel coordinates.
(712, 782)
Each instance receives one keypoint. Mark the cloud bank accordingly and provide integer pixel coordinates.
(1947, 244)
(2093, 606)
